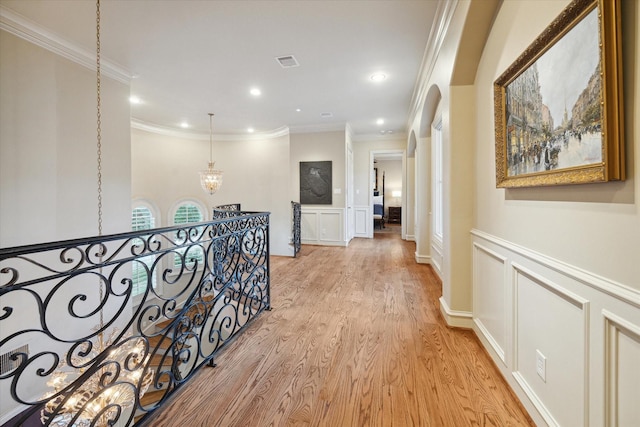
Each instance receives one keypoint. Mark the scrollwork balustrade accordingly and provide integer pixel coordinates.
(102, 330)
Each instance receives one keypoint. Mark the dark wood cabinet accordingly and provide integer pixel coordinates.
(395, 215)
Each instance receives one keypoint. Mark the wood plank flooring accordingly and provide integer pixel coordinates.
(355, 338)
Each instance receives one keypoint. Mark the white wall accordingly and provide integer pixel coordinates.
(557, 269)
(48, 166)
(165, 172)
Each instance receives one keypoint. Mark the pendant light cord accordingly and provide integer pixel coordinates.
(99, 156)
(210, 137)
(99, 118)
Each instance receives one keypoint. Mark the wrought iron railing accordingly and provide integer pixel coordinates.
(296, 236)
(80, 349)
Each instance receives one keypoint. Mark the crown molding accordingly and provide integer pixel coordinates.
(36, 34)
(444, 14)
(177, 133)
(370, 137)
(326, 127)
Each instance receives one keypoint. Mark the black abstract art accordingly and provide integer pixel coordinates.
(315, 183)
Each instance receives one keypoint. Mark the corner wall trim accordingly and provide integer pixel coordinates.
(455, 318)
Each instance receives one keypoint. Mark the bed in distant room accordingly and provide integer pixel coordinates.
(378, 206)
(378, 212)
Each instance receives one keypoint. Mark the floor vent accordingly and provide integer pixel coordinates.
(288, 61)
(7, 364)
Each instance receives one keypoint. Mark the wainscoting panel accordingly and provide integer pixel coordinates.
(363, 225)
(323, 226)
(529, 308)
(558, 334)
(490, 292)
(436, 256)
(622, 343)
(308, 226)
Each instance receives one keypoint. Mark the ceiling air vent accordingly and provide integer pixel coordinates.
(287, 61)
(326, 115)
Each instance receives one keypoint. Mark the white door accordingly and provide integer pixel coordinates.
(351, 214)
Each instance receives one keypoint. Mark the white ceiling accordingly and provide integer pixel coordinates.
(188, 58)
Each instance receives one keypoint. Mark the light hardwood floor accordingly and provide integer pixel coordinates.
(355, 338)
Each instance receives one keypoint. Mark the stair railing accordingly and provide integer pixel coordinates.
(102, 330)
(296, 238)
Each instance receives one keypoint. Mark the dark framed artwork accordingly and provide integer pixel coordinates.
(558, 107)
(315, 183)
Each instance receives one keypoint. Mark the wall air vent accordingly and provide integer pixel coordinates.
(7, 364)
(287, 61)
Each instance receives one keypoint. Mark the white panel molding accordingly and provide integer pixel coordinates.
(28, 30)
(614, 325)
(318, 217)
(486, 335)
(533, 397)
(602, 284)
(499, 350)
(456, 318)
(362, 223)
(437, 258)
(571, 298)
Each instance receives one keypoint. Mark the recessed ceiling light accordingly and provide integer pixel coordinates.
(135, 100)
(250, 130)
(184, 125)
(255, 91)
(378, 77)
(380, 121)
(298, 110)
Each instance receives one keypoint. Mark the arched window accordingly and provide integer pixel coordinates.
(185, 213)
(142, 218)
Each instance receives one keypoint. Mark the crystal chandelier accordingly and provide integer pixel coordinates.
(103, 396)
(211, 179)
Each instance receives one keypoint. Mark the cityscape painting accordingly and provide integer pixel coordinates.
(551, 111)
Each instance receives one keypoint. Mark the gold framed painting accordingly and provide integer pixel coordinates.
(558, 107)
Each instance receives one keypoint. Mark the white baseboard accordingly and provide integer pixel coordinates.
(422, 259)
(410, 237)
(343, 243)
(455, 318)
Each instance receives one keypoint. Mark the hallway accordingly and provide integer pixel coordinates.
(355, 338)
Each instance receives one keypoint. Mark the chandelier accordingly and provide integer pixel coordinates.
(211, 179)
(100, 398)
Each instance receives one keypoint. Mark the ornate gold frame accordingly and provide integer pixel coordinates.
(611, 113)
